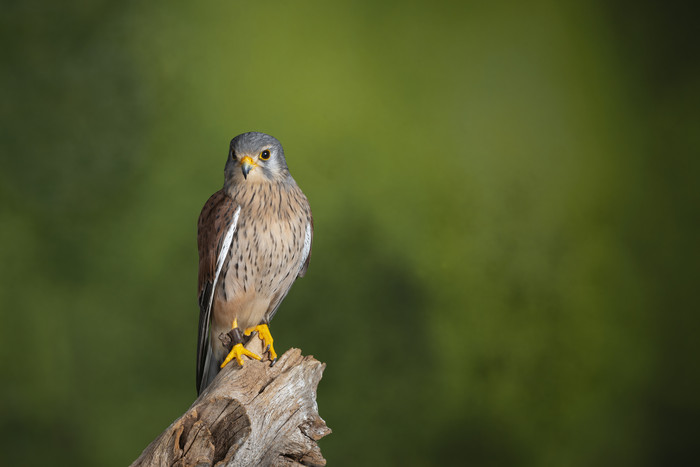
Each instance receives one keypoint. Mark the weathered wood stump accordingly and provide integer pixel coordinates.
(255, 415)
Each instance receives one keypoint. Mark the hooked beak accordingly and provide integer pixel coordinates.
(247, 164)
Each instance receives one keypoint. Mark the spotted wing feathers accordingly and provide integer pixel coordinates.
(215, 230)
(306, 253)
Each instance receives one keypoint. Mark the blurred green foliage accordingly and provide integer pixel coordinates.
(506, 205)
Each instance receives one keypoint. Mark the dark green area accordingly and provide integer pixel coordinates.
(506, 202)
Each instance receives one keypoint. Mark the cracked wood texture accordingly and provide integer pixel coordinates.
(255, 415)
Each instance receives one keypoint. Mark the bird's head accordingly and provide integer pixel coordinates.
(254, 158)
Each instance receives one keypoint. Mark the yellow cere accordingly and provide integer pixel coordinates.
(248, 160)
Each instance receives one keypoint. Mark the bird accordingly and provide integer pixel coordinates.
(254, 240)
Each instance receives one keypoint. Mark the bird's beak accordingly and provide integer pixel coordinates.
(247, 164)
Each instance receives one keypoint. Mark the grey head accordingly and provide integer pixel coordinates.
(255, 158)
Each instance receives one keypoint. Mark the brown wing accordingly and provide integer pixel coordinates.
(305, 266)
(214, 222)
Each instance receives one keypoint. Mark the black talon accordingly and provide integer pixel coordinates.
(272, 363)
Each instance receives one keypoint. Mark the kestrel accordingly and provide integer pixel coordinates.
(254, 237)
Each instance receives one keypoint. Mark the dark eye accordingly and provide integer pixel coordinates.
(265, 155)
(233, 155)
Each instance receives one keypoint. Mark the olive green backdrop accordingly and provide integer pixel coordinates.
(505, 264)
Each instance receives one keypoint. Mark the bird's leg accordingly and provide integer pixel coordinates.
(238, 350)
(264, 334)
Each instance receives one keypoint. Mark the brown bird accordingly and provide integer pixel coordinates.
(254, 239)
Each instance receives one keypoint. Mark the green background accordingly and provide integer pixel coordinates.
(505, 262)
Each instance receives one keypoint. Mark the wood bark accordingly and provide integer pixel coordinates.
(254, 415)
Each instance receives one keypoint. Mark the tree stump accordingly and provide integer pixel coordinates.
(254, 415)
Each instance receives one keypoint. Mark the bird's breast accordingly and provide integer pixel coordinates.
(265, 254)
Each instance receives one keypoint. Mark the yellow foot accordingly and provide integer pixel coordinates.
(237, 352)
(264, 334)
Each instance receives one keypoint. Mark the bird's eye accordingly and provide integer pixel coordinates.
(265, 155)
(233, 155)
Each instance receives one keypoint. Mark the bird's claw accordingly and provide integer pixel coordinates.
(237, 352)
(264, 334)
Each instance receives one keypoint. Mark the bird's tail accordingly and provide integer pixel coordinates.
(211, 369)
